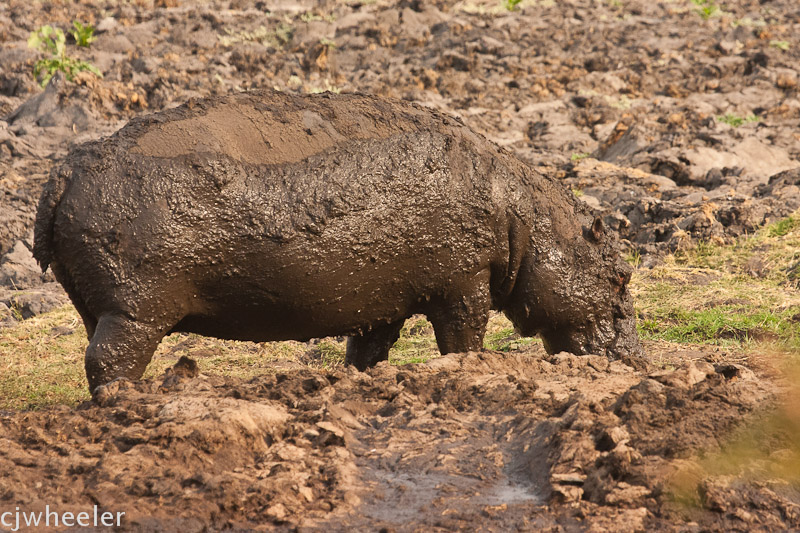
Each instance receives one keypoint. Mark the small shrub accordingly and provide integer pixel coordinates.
(707, 9)
(83, 35)
(735, 121)
(48, 39)
(511, 5)
(780, 45)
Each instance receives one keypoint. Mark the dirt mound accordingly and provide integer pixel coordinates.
(655, 215)
(507, 440)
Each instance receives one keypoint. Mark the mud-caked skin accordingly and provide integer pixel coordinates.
(264, 216)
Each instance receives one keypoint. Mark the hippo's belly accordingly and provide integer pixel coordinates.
(336, 283)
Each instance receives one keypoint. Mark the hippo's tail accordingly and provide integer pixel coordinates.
(46, 214)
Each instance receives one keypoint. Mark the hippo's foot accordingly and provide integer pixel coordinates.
(120, 347)
(364, 351)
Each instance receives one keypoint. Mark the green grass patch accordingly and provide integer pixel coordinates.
(735, 121)
(416, 344)
(501, 336)
(783, 227)
(725, 325)
(737, 295)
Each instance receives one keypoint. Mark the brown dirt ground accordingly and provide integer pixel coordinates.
(480, 441)
(483, 441)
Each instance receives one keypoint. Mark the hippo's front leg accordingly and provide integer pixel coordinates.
(459, 319)
(121, 347)
(364, 351)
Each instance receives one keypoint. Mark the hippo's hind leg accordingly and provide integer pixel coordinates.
(89, 320)
(364, 351)
(121, 347)
(459, 319)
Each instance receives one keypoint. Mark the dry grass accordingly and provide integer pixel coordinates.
(41, 361)
(42, 358)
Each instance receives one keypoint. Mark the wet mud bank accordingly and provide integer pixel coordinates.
(507, 440)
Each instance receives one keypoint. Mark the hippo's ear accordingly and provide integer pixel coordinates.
(598, 230)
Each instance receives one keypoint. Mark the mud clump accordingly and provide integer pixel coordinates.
(525, 440)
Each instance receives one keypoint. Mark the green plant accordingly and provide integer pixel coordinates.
(780, 45)
(783, 227)
(511, 5)
(51, 40)
(308, 16)
(634, 258)
(578, 156)
(83, 35)
(735, 121)
(707, 8)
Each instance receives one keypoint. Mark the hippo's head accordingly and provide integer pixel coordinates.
(574, 293)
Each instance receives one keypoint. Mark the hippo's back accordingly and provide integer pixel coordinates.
(273, 128)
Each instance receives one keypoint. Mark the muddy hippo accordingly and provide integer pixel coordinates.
(264, 216)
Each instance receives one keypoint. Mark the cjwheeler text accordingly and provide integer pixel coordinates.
(14, 520)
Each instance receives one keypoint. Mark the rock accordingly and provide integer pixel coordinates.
(30, 303)
(39, 105)
(50, 109)
(105, 25)
(686, 376)
(756, 158)
(567, 493)
(625, 493)
(611, 437)
(591, 201)
(574, 478)
(117, 43)
(18, 268)
(624, 141)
